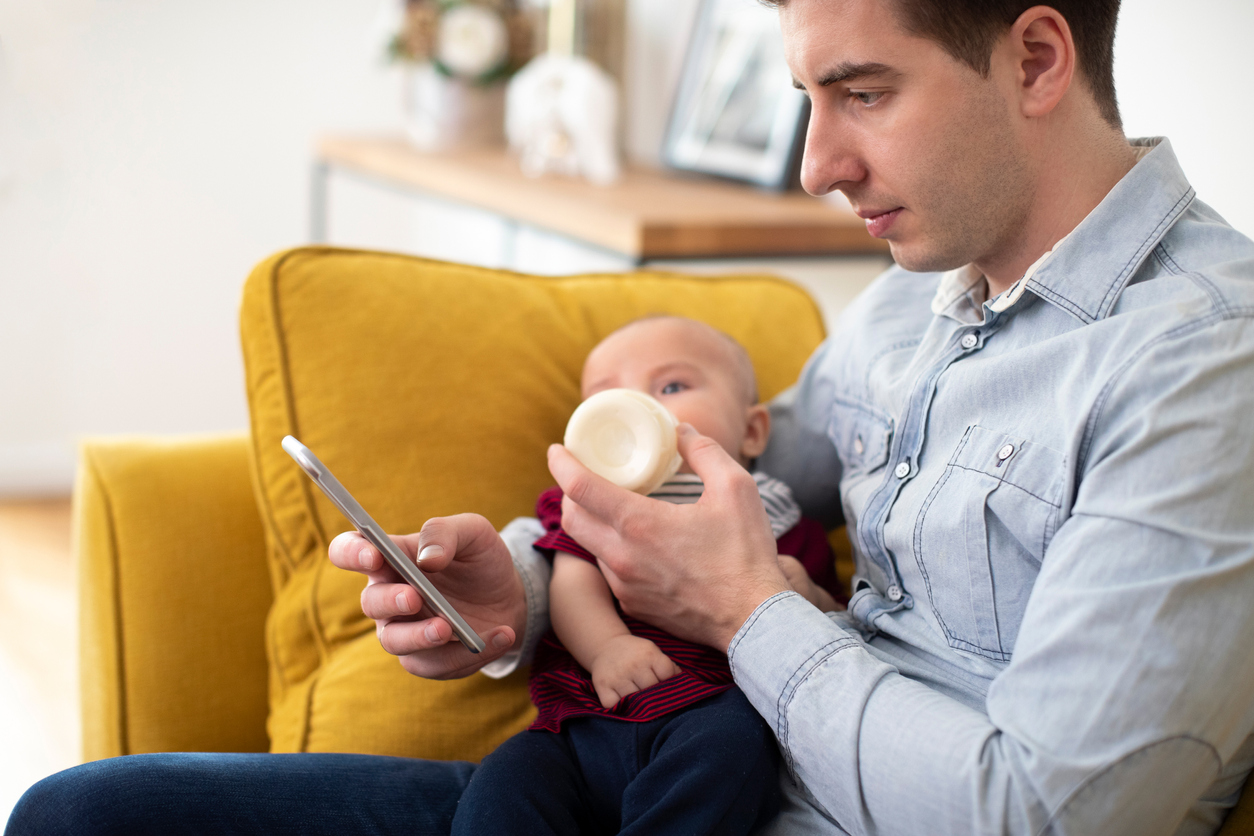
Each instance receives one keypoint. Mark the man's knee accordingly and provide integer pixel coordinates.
(61, 803)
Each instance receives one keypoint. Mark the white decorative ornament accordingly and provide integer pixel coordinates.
(626, 437)
(561, 115)
(472, 40)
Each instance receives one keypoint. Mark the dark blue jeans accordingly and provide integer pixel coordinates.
(259, 793)
(711, 768)
(683, 776)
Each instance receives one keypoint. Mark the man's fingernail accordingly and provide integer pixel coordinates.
(402, 605)
(430, 551)
(500, 641)
(432, 633)
(364, 558)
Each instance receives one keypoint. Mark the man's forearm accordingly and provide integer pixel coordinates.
(884, 754)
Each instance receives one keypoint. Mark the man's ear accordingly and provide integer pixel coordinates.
(1043, 52)
(757, 432)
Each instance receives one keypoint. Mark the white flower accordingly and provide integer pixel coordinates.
(472, 40)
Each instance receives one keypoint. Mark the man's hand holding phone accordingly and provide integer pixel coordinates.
(470, 565)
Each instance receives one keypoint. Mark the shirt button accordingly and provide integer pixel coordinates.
(970, 340)
(903, 470)
(1005, 452)
(894, 593)
(858, 446)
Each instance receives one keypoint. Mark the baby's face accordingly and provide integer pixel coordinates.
(692, 371)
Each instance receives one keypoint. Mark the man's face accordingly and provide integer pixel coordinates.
(925, 149)
(689, 368)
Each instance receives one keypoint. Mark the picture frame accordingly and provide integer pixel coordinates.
(736, 113)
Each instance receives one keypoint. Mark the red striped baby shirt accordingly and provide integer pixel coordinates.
(562, 689)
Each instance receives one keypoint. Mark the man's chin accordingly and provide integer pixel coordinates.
(921, 259)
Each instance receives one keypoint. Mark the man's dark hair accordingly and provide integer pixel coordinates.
(968, 30)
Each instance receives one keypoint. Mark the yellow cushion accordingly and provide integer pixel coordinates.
(429, 389)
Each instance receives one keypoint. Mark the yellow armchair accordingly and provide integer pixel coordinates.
(210, 617)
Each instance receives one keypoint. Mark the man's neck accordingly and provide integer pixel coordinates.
(1073, 179)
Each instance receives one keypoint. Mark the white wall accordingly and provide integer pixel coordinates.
(151, 152)
(1184, 71)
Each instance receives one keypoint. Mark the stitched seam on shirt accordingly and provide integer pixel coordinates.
(1061, 301)
(1007, 483)
(1167, 259)
(918, 533)
(1208, 287)
(806, 665)
(748, 625)
(1090, 426)
(1139, 255)
(1085, 782)
(781, 710)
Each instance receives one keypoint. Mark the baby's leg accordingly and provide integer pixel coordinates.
(531, 784)
(712, 768)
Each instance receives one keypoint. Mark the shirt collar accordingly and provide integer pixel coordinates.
(1085, 271)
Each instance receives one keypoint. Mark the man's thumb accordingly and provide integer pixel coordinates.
(703, 454)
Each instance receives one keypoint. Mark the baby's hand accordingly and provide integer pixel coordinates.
(627, 664)
(799, 580)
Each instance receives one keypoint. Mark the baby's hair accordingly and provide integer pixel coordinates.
(744, 365)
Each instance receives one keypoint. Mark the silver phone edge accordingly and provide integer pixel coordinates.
(321, 476)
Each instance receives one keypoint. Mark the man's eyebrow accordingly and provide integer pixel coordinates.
(847, 70)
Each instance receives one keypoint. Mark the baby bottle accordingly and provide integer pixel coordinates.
(626, 437)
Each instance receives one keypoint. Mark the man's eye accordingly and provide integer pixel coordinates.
(866, 98)
(673, 388)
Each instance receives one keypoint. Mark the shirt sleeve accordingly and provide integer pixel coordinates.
(1130, 690)
(534, 571)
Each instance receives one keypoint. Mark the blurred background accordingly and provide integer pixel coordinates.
(152, 152)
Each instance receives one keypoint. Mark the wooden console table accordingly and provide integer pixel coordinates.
(647, 215)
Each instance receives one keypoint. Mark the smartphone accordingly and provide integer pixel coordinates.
(372, 531)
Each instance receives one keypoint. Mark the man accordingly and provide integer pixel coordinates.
(1042, 456)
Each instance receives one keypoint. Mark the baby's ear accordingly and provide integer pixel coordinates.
(757, 432)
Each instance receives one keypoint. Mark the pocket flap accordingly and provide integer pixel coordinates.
(861, 434)
(1031, 467)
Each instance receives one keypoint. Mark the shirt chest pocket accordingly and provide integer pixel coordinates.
(861, 435)
(982, 534)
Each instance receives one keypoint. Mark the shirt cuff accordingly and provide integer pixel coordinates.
(786, 644)
(534, 570)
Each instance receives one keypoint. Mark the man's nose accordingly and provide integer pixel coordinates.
(832, 159)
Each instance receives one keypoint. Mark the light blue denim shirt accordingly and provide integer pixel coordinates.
(1051, 500)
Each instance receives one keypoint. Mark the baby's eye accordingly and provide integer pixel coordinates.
(673, 388)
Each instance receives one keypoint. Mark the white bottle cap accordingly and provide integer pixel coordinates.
(626, 437)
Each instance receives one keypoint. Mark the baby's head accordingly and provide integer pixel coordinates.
(703, 376)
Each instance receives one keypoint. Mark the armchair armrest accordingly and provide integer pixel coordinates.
(174, 592)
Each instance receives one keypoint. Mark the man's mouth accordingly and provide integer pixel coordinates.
(878, 221)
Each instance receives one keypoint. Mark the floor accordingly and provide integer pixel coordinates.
(39, 711)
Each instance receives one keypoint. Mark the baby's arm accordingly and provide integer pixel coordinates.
(582, 612)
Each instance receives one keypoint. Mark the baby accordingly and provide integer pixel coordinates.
(638, 731)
